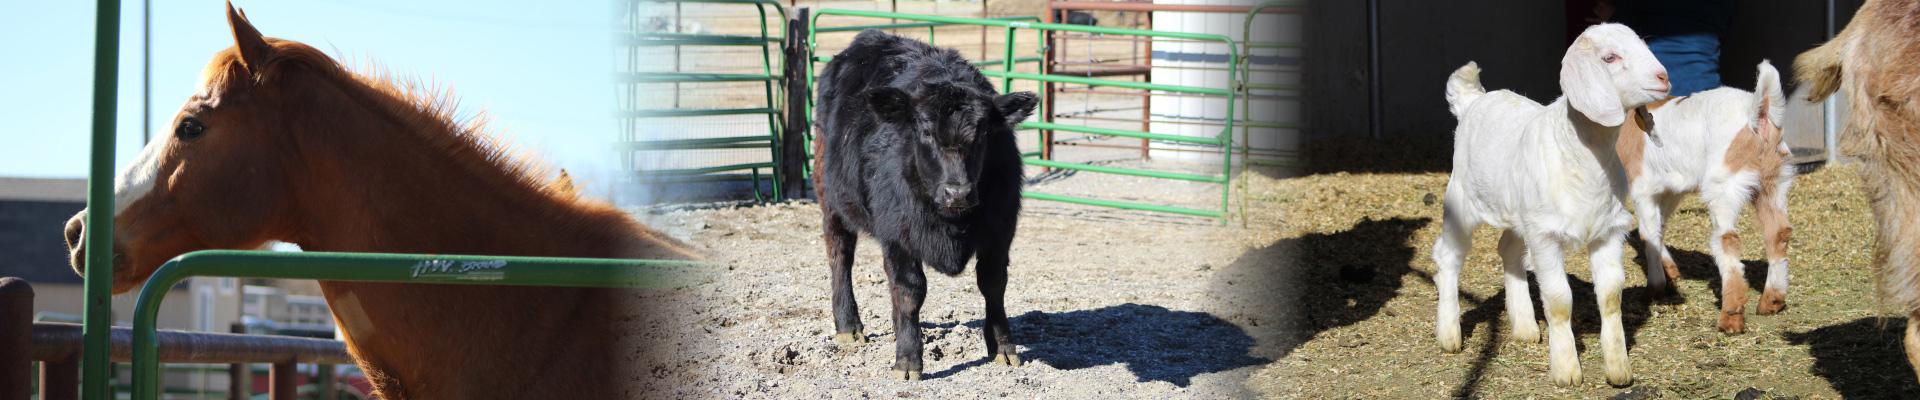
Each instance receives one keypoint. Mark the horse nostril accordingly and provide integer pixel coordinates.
(76, 226)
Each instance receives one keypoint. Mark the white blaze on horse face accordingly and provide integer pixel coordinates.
(136, 181)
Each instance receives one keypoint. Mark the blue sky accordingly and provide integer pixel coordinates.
(541, 70)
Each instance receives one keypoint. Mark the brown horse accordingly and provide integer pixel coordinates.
(282, 143)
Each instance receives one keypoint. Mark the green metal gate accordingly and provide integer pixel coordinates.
(636, 86)
(1008, 74)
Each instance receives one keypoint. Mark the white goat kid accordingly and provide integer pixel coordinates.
(1548, 177)
(1724, 144)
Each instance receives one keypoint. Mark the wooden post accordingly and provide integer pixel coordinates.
(60, 379)
(283, 381)
(16, 338)
(793, 142)
(239, 375)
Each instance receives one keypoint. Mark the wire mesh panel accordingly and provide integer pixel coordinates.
(698, 95)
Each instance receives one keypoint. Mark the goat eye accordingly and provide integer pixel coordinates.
(1610, 58)
(189, 128)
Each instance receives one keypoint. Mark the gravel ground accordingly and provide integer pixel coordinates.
(1104, 303)
(1322, 290)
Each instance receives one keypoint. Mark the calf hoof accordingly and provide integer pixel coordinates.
(849, 338)
(1771, 302)
(906, 375)
(1733, 324)
(1011, 360)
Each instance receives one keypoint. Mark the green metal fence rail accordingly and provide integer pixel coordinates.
(375, 267)
(814, 30)
(755, 172)
(1008, 74)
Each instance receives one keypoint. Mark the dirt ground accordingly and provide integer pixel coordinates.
(1325, 292)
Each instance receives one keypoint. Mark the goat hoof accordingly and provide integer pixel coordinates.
(1566, 378)
(1771, 302)
(1011, 360)
(849, 338)
(1621, 382)
(1733, 324)
(906, 375)
(1526, 333)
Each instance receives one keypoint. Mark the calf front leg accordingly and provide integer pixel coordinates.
(846, 312)
(992, 276)
(908, 289)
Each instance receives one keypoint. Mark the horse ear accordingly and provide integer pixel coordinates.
(252, 46)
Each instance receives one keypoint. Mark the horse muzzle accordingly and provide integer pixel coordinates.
(75, 234)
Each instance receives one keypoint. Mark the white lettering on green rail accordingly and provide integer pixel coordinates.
(460, 270)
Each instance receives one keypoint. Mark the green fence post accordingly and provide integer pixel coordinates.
(98, 310)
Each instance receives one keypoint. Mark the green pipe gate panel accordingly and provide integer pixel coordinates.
(376, 267)
(1008, 74)
(771, 107)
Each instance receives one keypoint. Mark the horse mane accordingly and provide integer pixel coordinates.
(407, 100)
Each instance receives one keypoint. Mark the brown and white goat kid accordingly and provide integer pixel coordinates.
(1872, 63)
(1723, 144)
(1547, 176)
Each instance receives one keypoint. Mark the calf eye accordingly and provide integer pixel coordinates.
(1610, 58)
(189, 128)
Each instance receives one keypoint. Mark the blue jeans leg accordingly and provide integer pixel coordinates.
(1692, 61)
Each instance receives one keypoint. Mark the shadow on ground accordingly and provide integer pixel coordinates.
(1862, 359)
(1292, 290)
(1152, 342)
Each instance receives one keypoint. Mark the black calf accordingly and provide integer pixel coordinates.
(916, 150)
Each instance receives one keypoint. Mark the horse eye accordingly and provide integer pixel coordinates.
(189, 128)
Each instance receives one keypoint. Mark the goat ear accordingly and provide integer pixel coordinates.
(889, 102)
(1588, 87)
(252, 46)
(1769, 103)
(1016, 107)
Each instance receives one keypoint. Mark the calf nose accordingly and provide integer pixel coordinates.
(1662, 76)
(956, 194)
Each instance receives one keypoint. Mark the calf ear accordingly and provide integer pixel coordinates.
(889, 102)
(1016, 106)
